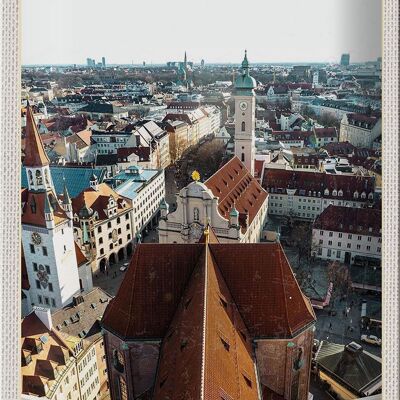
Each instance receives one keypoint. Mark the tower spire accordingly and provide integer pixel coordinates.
(35, 156)
(245, 64)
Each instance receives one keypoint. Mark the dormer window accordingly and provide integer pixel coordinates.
(371, 196)
(39, 347)
(363, 195)
(334, 192)
(326, 192)
(340, 193)
(356, 195)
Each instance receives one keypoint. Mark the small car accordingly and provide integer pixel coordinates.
(371, 339)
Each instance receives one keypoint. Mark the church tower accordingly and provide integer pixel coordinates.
(47, 233)
(245, 118)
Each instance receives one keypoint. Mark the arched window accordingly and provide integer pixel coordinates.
(242, 157)
(30, 177)
(118, 360)
(196, 214)
(356, 195)
(39, 178)
(46, 177)
(243, 126)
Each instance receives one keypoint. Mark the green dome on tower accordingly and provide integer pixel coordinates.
(244, 81)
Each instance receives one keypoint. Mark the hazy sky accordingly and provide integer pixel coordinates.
(125, 31)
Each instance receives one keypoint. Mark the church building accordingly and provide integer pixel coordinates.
(51, 265)
(231, 201)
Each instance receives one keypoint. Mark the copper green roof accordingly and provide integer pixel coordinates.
(244, 81)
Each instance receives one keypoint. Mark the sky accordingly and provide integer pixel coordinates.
(157, 31)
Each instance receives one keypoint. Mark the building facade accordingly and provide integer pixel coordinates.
(360, 130)
(342, 233)
(231, 201)
(305, 194)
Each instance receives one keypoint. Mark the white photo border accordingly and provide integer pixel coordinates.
(10, 78)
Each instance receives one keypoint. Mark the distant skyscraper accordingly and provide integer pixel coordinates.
(345, 60)
(89, 62)
(202, 63)
(103, 61)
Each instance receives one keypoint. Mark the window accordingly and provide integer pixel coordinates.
(196, 214)
(47, 269)
(44, 249)
(53, 303)
(101, 251)
(111, 246)
(118, 220)
(340, 235)
(50, 287)
(129, 236)
(242, 157)
(47, 301)
(338, 254)
(378, 249)
(350, 236)
(319, 251)
(100, 240)
(32, 248)
(35, 267)
(358, 237)
(329, 252)
(99, 229)
(243, 126)
(40, 299)
(368, 248)
(358, 247)
(126, 216)
(37, 284)
(330, 243)
(330, 234)
(109, 224)
(339, 244)
(321, 241)
(321, 233)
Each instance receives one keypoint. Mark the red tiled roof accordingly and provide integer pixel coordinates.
(325, 132)
(258, 276)
(207, 302)
(362, 118)
(362, 221)
(142, 152)
(258, 168)
(33, 209)
(98, 200)
(311, 159)
(234, 185)
(35, 156)
(80, 257)
(291, 135)
(279, 180)
(339, 148)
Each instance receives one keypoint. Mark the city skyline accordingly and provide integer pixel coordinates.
(320, 33)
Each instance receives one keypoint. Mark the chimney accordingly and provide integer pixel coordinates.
(44, 315)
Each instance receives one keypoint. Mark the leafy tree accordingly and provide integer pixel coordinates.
(339, 276)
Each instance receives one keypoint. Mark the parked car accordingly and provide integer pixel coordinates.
(371, 339)
(124, 267)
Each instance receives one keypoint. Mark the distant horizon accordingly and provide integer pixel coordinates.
(216, 31)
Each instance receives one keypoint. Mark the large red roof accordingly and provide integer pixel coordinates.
(234, 185)
(208, 301)
(276, 180)
(362, 221)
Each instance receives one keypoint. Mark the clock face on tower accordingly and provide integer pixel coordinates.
(36, 238)
(243, 105)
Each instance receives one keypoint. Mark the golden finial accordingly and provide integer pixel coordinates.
(195, 176)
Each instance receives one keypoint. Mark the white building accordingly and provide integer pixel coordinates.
(342, 233)
(146, 189)
(360, 130)
(245, 117)
(305, 194)
(47, 235)
(231, 201)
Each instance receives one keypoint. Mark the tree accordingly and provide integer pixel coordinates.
(339, 276)
(301, 238)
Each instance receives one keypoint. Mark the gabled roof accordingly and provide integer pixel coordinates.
(207, 302)
(35, 156)
(233, 184)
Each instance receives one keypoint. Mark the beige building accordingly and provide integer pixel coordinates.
(231, 201)
(102, 222)
(50, 361)
(360, 130)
